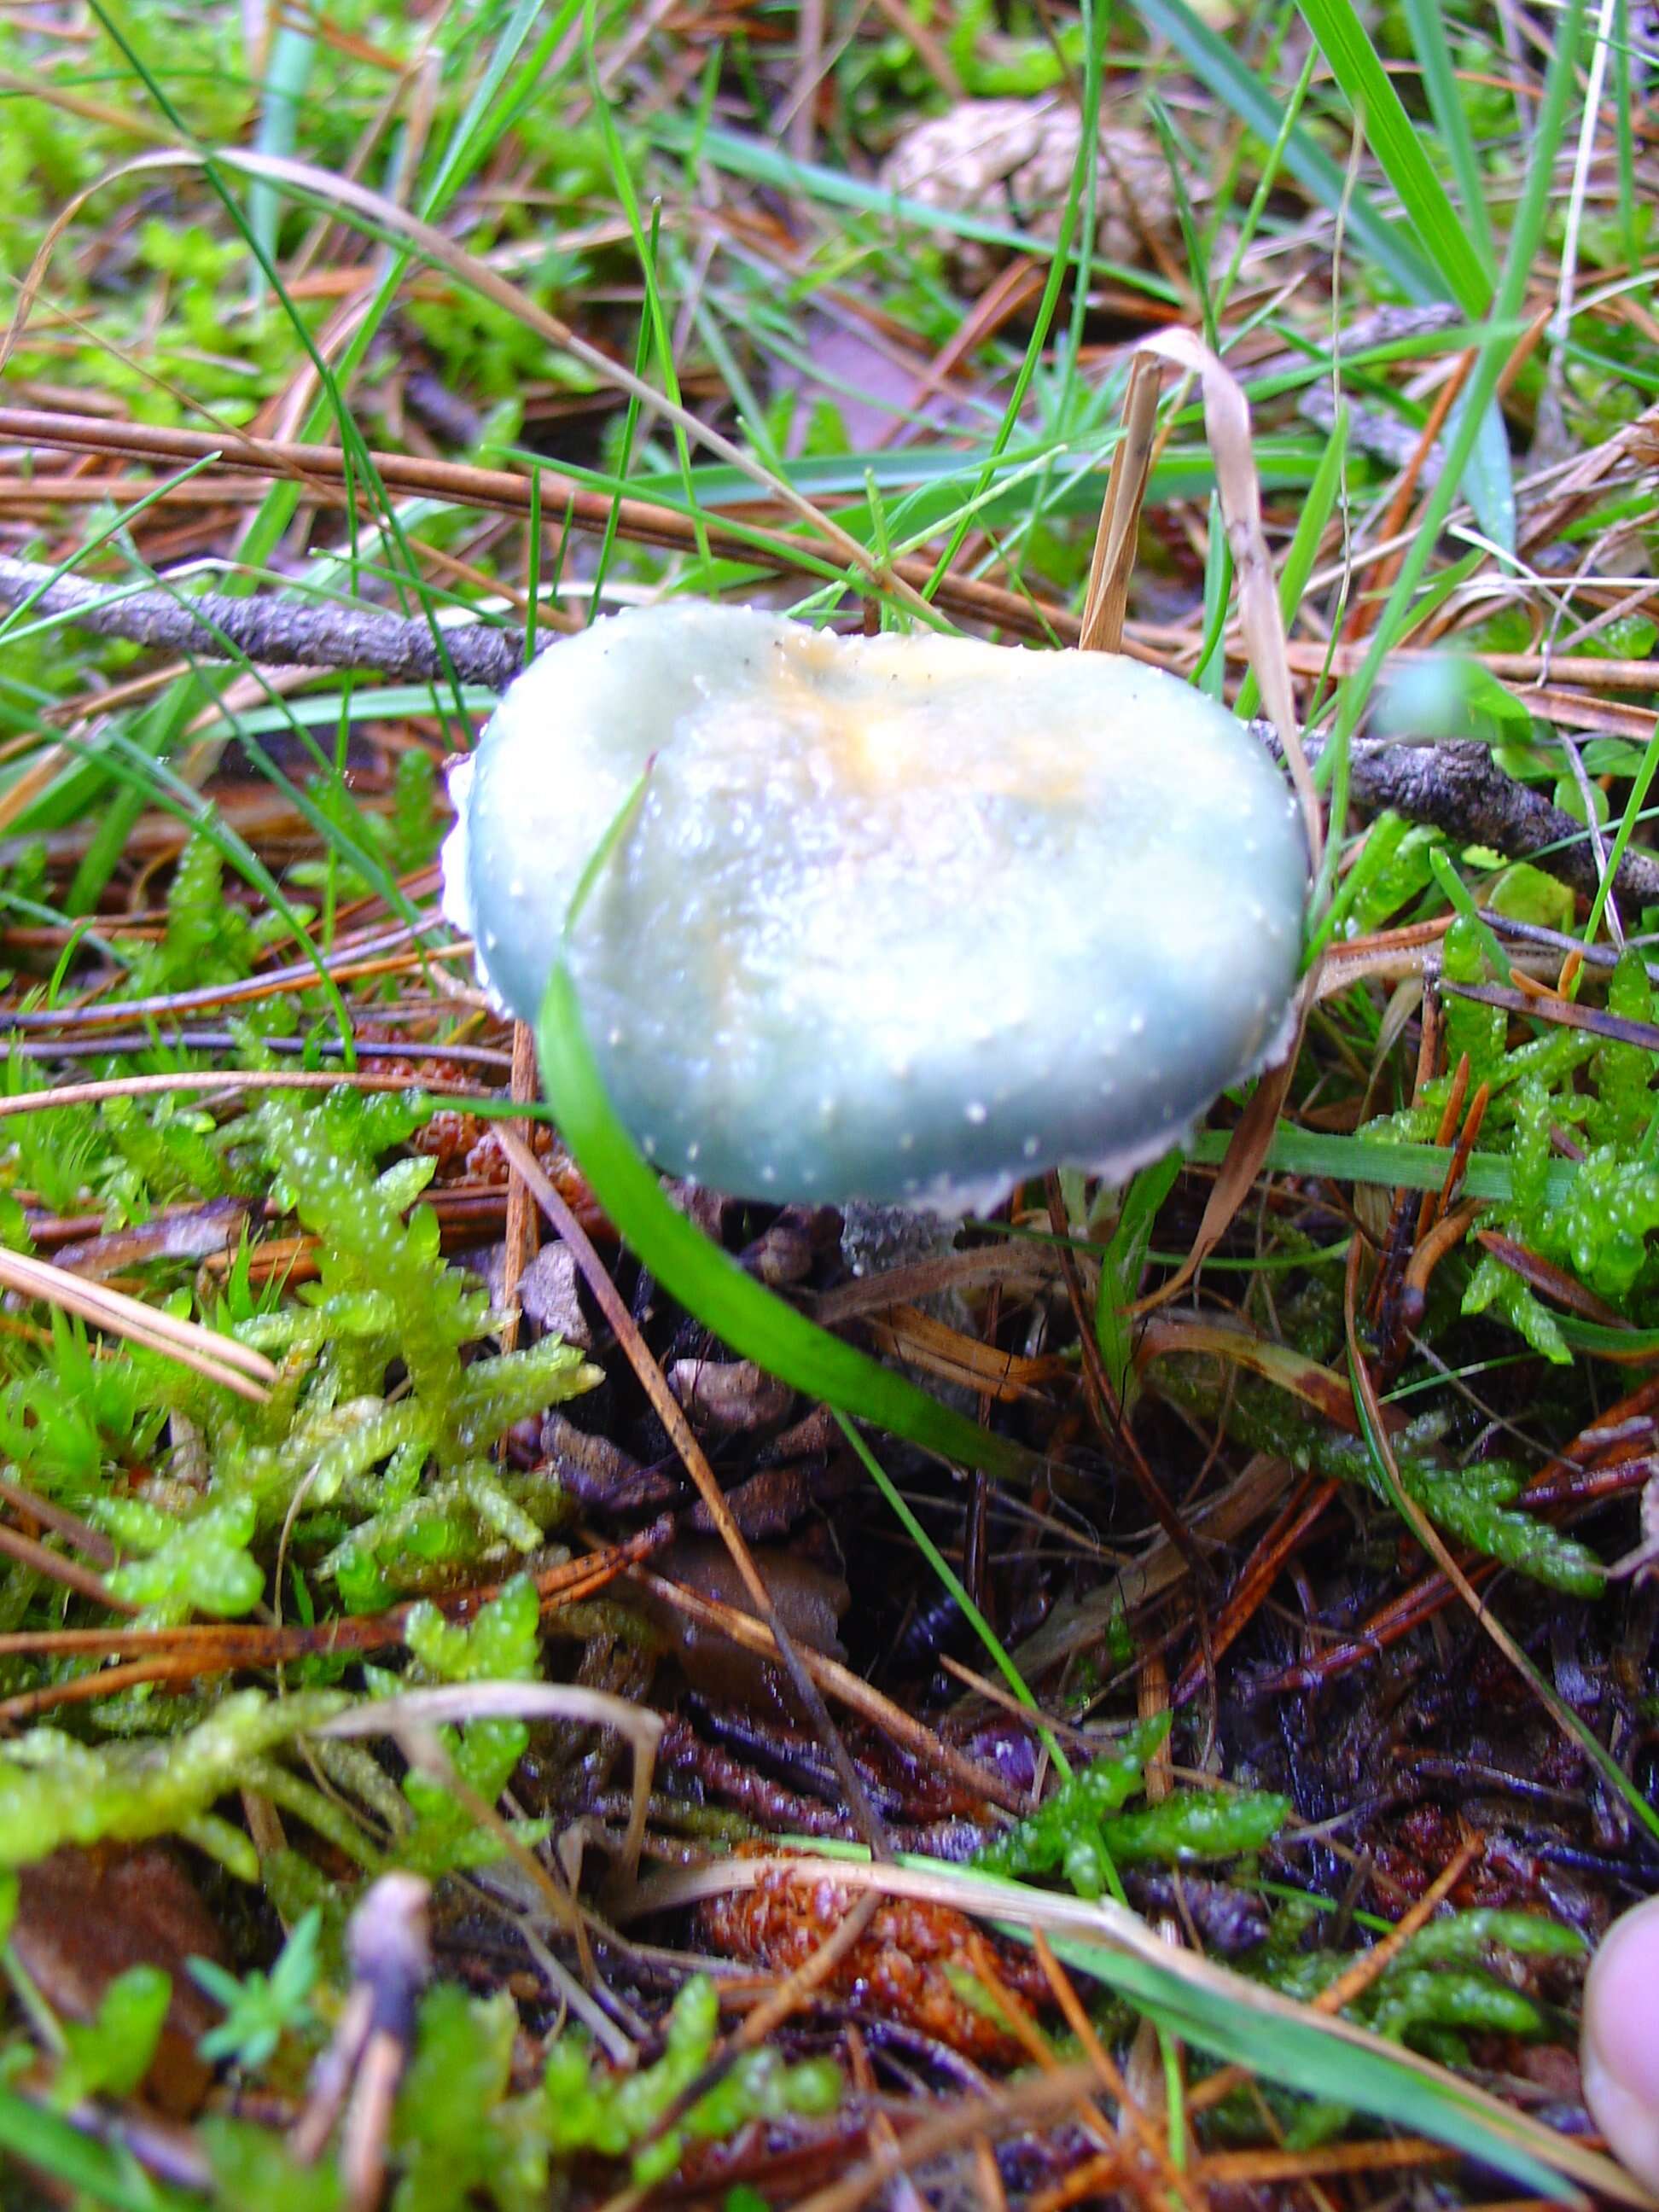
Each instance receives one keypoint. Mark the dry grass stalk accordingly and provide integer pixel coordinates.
(220, 1359)
(323, 470)
(413, 1716)
(520, 1246)
(1106, 599)
(221, 1642)
(230, 1081)
(385, 217)
(1227, 423)
(1133, 2118)
(69, 1574)
(848, 1688)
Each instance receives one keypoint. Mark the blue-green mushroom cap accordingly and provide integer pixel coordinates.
(903, 919)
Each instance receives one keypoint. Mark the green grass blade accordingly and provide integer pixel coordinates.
(1094, 32)
(1265, 180)
(752, 158)
(1463, 256)
(1397, 142)
(1632, 814)
(292, 51)
(1428, 28)
(1624, 105)
(622, 178)
(952, 1582)
(12, 622)
(1285, 460)
(709, 1284)
(1251, 2024)
(1301, 2054)
(1385, 1161)
(1488, 478)
(489, 112)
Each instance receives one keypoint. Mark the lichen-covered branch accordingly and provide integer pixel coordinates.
(1457, 785)
(274, 632)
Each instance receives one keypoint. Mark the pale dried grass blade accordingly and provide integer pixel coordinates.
(227, 1079)
(1227, 423)
(221, 1359)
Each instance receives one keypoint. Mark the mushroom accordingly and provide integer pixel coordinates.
(898, 919)
(1619, 2051)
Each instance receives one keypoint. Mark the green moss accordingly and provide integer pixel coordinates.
(56, 1790)
(1080, 1831)
(1446, 1981)
(374, 1443)
(589, 2108)
(1475, 1504)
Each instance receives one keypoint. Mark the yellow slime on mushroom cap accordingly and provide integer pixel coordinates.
(897, 918)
